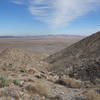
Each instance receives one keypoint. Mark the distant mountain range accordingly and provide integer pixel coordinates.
(34, 36)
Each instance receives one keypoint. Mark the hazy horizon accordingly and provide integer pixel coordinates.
(43, 35)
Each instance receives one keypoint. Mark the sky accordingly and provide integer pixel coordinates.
(43, 17)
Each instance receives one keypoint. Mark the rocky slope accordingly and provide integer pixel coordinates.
(80, 60)
(23, 76)
(12, 58)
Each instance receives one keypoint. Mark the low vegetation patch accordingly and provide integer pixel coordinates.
(38, 87)
(4, 81)
(17, 82)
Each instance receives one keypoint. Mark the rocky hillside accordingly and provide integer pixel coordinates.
(12, 58)
(80, 60)
(23, 76)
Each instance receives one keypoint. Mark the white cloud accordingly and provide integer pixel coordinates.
(59, 12)
(19, 2)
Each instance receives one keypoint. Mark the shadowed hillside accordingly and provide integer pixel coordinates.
(80, 60)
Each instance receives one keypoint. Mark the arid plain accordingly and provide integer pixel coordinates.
(39, 44)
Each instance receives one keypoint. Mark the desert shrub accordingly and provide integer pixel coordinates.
(52, 78)
(98, 90)
(91, 95)
(10, 93)
(97, 81)
(22, 69)
(17, 82)
(30, 88)
(41, 88)
(78, 98)
(3, 81)
(8, 82)
(37, 87)
(58, 97)
(11, 67)
(69, 82)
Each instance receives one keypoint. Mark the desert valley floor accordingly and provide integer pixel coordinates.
(41, 44)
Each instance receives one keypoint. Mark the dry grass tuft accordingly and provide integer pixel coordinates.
(91, 95)
(38, 88)
(69, 82)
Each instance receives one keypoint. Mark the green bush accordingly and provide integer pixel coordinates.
(17, 82)
(3, 81)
